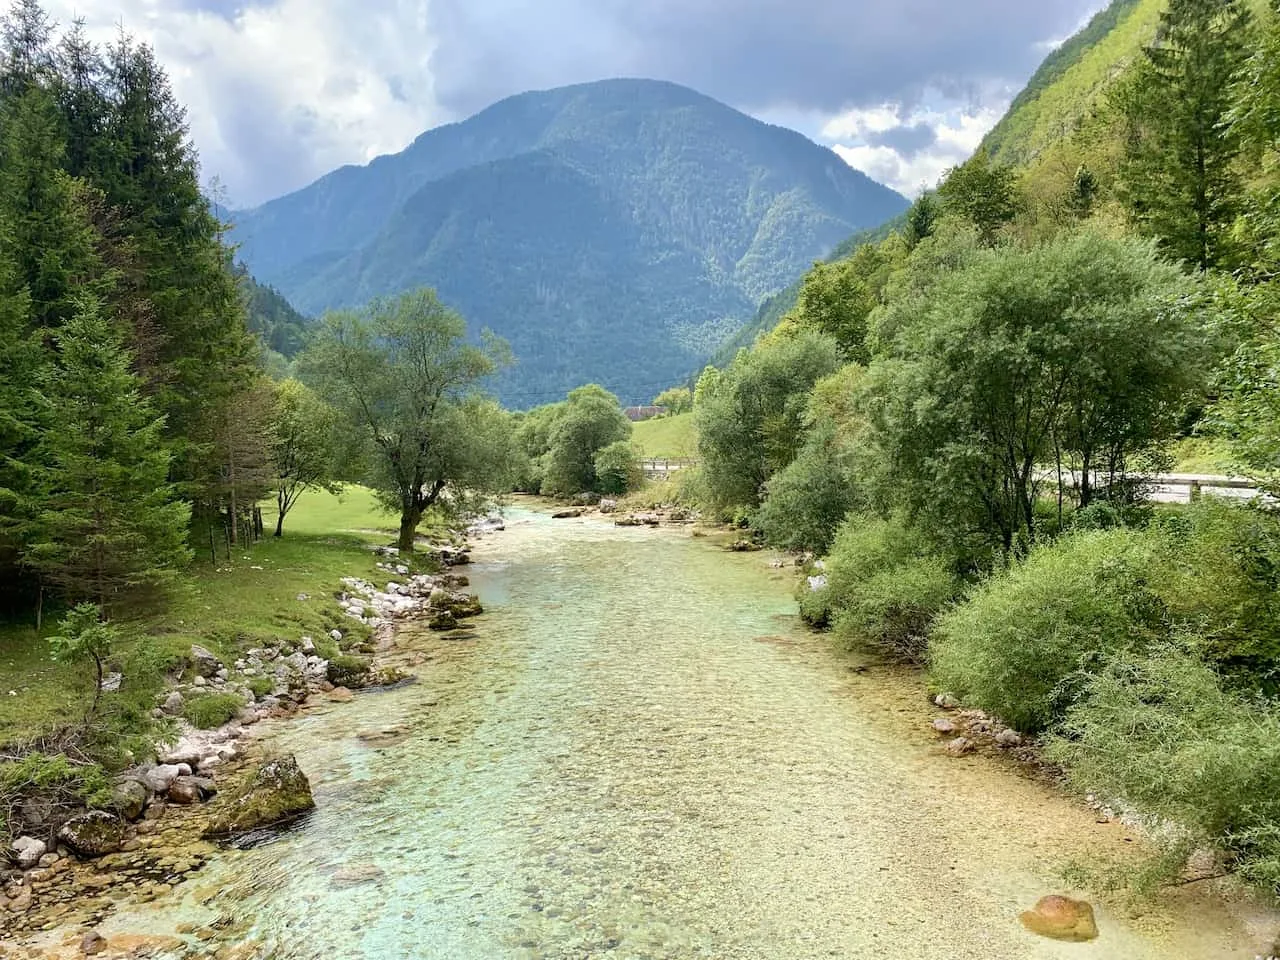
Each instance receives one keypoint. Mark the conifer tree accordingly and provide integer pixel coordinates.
(1178, 175)
(109, 525)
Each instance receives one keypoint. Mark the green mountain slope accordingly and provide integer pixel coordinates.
(616, 231)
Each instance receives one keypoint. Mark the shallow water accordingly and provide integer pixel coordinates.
(642, 755)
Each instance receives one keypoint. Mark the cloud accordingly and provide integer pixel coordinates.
(281, 91)
(909, 148)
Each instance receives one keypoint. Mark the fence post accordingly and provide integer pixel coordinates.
(1195, 491)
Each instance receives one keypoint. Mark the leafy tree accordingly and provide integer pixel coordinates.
(921, 219)
(708, 382)
(752, 424)
(83, 636)
(806, 500)
(401, 372)
(1082, 350)
(592, 420)
(108, 523)
(618, 468)
(983, 193)
(1084, 193)
(676, 399)
(1254, 119)
(304, 451)
(1178, 176)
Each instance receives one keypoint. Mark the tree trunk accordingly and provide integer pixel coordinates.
(280, 524)
(409, 520)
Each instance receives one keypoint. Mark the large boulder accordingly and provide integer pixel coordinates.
(277, 793)
(158, 778)
(93, 834)
(205, 662)
(129, 799)
(188, 790)
(1061, 918)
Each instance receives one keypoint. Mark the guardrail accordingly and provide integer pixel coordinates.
(1161, 487)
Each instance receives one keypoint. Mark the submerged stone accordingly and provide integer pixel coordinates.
(1061, 918)
(278, 792)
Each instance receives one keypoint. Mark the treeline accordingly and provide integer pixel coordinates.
(959, 418)
(129, 385)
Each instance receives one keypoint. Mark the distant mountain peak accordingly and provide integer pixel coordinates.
(614, 231)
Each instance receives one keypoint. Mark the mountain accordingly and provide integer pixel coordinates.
(281, 328)
(616, 231)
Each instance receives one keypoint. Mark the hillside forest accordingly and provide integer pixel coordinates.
(951, 423)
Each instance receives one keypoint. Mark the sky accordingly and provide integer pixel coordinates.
(280, 92)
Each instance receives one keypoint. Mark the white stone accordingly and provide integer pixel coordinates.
(335, 635)
(27, 851)
(159, 779)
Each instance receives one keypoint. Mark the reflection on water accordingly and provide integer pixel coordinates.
(640, 754)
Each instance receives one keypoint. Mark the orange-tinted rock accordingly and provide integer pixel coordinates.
(1061, 918)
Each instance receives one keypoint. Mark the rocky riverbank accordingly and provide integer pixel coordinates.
(67, 870)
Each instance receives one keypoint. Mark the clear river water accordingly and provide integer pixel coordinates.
(642, 754)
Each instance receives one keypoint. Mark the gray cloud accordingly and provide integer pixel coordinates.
(762, 55)
(282, 91)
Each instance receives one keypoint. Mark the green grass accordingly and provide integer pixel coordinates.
(250, 598)
(1201, 455)
(669, 437)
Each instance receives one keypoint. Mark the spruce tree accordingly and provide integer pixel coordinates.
(109, 526)
(1178, 175)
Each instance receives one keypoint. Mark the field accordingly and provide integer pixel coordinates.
(255, 594)
(667, 437)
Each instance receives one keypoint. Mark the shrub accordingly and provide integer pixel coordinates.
(806, 501)
(211, 709)
(1218, 571)
(618, 469)
(896, 607)
(1026, 639)
(53, 778)
(348, 671)
(261, 686)
(1160, 732)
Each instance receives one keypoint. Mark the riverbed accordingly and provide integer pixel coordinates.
(640, 753)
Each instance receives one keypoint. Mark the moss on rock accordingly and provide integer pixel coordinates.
(277, 793)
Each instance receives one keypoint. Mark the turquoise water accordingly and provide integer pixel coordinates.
(640, 754)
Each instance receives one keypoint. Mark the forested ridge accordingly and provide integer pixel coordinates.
(957, 421)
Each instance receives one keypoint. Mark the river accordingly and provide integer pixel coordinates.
(641, 754)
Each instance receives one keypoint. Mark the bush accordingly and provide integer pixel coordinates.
(896, 607)
(261, 686)
(806, 501)
(1023, 644)
(1160, 732)
(1218, 572)
(348, 671)
(211, 710)
(55, 780)
(882, 586)
(618, 469)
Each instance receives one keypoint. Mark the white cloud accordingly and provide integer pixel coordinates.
(909, 148)
(279, 95)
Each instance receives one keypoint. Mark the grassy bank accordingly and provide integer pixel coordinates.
(669, 437)
(227, 606)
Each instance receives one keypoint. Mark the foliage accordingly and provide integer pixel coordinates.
(1079, 352)
(617, 468)
(107, 522)
(752, 423)
(591, 420)
(677, 400)
(1159, 731)
(211, 710)
(52, 777)
(806, 500)
(982, 193)
(1178, 177)
(1026, 640)
(401, 373)
(305, 448)
(85, 637)
(895, 608)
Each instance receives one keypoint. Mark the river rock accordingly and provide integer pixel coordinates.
(960, 746)
(93, 943)
(1061, 918)
(27, 851)
(173, 703)
(187, 790)
(944, 726)
(442, 620)
(572, 514)
(946, 701)
(205, 662)
(744, 546)
(93, 834)
(129, 798)
(1009, 738)
(608, 506)
(158, 778)
(278, 792)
